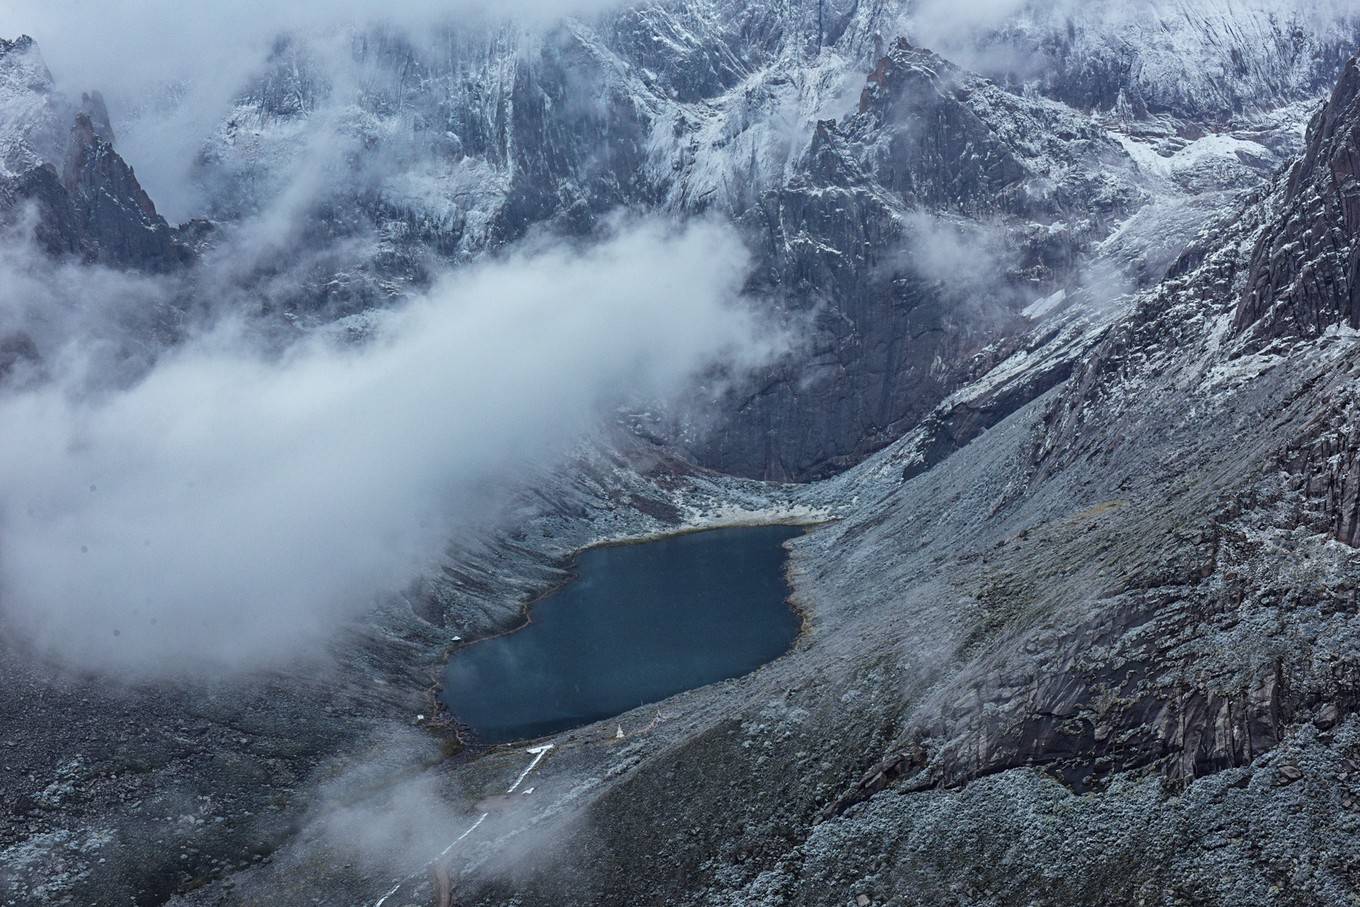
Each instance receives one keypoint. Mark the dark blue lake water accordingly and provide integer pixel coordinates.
(639, 623)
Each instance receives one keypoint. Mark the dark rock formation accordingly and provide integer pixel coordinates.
(630, 113)
(115, 220)
(84, 198)
(1304, 280)
(837, 237)
(948, 139)
(1327, 467)
(1305, 271)
(579, 142)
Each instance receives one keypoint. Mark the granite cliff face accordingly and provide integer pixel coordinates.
(59, 166)
(1305, 270)
(1304, 283)
(810, 124)
(1194, 344)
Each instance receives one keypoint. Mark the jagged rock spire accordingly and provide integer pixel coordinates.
(1305, 270)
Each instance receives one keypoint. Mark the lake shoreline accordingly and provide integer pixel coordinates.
(445, 722)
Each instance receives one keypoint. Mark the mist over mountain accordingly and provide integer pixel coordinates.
(331, 334)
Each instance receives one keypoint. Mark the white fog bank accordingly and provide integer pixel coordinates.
(230, 510)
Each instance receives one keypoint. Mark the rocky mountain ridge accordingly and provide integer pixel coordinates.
(753, 112)
(1305, 272)
(461, 143)
(1184, 63)
(59, 167)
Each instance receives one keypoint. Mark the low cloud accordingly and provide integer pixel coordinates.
(974, 264)
(400, 827)
(377, 812)
(230, 508)
(134, 46)
(97, 325)
(172, 72)
(947, 26)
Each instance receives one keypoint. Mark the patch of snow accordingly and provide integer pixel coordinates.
(538, 752)
(729, 515)
(1041, 307)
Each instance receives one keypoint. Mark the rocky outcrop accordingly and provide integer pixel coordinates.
(938, 151)
(1305, 271)
(840, 237)
(689, 109)
(576, 142)
(114, 217)
(83, 197)
(885, 343)
(1303, 282)
(948, 139)
(1324, 465)
(33, 115)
